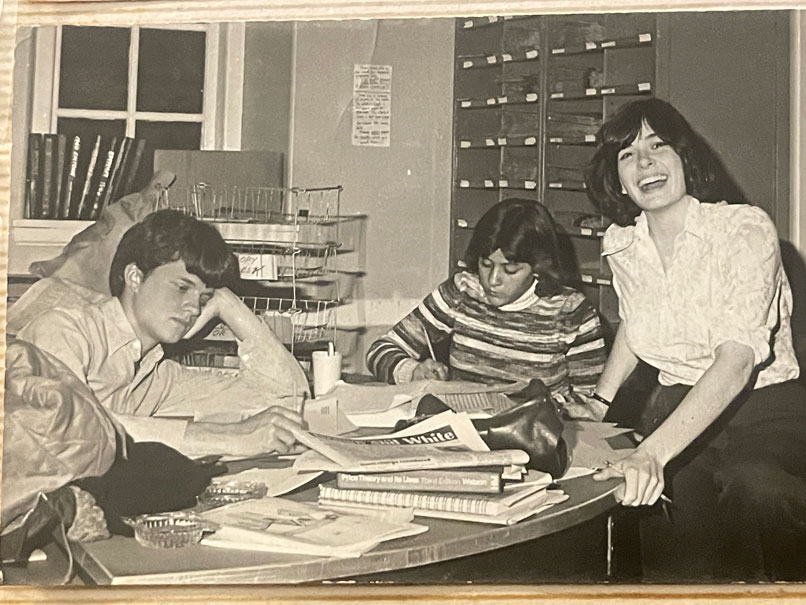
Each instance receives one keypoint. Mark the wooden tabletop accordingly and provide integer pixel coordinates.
(123, 561)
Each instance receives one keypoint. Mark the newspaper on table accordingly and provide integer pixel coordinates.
(285, 526)
(447, 440)
(381, 406)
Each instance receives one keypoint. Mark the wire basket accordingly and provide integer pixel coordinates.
(282, 261)
(310, 320)
(255, 204)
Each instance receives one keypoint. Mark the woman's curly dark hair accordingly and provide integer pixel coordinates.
(525, 232)
(601, 176)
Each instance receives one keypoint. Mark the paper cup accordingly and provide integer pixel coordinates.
(326, 371)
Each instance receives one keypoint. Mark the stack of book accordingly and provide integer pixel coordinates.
(438, 468)
(75, 177)
(486, 495)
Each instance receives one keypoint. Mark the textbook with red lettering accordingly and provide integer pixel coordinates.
(466, 480)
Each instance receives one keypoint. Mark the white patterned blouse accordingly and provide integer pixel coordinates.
(725, 283)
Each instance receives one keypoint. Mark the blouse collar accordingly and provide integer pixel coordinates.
(619, 238)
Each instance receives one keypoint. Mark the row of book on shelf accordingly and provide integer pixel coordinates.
(75, 177)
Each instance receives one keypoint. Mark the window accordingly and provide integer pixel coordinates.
(157, 82)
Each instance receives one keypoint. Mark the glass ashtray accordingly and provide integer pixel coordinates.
(220, 493)
(169, 530)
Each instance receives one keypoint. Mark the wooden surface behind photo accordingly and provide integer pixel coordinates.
(126, 12)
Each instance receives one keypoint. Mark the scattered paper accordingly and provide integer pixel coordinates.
(285, 526)
(532, 478)
(588, 446)
(325, 416)
(279, 481)
(385, 419)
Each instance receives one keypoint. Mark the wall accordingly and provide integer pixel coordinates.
(267, 86)
(405, 188)
(728, 73)
(24, 54)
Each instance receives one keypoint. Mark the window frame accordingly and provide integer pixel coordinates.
(222, 103)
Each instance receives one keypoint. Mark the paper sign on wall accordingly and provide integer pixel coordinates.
(258, 266)
(372, 105)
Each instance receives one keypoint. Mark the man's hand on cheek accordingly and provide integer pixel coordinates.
(213, 307)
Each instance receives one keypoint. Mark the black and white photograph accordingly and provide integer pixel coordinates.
(512, 299)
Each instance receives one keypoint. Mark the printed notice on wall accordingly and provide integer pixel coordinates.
(372, 105)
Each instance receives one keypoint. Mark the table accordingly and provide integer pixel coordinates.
(122, 560)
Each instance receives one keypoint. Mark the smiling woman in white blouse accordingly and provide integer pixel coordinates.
(703, 298)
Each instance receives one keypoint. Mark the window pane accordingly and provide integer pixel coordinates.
(170, 135)
(90, 128)
(164, 135)
(94, 68)
(171, 71)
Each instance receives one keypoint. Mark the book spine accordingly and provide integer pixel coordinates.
(33, 180)
(471, 482)
(47, 176)
(58, 177)
(103, 181)
(84, 200)
(416, 500)
(66, 207)
(113, 185)
(134, 166)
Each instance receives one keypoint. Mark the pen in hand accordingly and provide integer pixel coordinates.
(428, 343)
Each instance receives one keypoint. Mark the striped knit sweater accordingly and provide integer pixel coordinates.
(557, 338)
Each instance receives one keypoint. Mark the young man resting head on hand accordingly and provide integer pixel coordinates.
(169, 278)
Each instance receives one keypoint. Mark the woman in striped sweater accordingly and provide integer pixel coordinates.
(510, 317)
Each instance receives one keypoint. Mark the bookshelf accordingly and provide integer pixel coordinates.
(530, 93)
(75, 177)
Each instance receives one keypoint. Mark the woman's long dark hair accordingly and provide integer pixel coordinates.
(700, 166)
(525, 233)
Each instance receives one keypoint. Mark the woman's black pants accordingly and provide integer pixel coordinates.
(738, 494)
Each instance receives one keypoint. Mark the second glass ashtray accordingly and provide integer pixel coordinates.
(169, 530)
(219, 493)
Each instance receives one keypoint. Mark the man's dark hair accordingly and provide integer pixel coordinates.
(602, 179)
(525, 232)
(166, 236)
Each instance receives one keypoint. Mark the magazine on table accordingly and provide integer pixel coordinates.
(285, 526)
